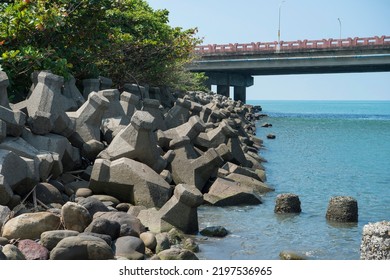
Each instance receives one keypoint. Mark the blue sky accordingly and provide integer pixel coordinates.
(227, 21)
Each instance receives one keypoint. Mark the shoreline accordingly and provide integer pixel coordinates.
(105, 160)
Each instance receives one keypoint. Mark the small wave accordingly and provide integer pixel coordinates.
(330, 116)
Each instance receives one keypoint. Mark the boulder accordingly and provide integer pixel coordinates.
(49, 239)
(75, 216)
(30, 225)
(177, 254)
(214, 231)
(129, 247)
(130, 225)
(149, 240)
(33, 250)
(82, 247)
(228, 193)
(104, 226)
(11, 252)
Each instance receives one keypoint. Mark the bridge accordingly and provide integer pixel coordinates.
(235, 64)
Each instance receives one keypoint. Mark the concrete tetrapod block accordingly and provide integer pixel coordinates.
(129, 103)
(87, 121)
(137, 141)
(178, 114)
(69, 155)
(114, 116)
(191, 129)
(43, 163)
(16, 172)
(46, 106)
(4, 83)
(228, 193)
(130, 181)
(189, 168)
(152, 106)
(71, 91)
(179, 212)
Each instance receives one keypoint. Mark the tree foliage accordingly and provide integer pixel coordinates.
(124, 40)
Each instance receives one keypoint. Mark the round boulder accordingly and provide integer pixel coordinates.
(130, 247)
(75, 216)
(104, 226)
(82, 247)
(287, 203)
(47, 193)
(32, 250)
(342, 209)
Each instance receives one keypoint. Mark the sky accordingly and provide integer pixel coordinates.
(228, 21)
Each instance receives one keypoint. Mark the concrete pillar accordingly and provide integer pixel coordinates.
(240, 93)
(223, 90)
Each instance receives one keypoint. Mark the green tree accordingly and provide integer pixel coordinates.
(125, 40)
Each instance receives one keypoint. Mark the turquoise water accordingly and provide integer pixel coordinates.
(322, 149)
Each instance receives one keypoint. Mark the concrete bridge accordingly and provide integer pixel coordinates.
(236, 64)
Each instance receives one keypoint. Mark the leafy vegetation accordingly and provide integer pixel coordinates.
(125, 40)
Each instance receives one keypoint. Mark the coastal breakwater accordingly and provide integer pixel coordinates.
(104, 174)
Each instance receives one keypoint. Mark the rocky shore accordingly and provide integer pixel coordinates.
(109, 174)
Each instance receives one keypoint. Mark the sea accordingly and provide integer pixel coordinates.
(322, 149)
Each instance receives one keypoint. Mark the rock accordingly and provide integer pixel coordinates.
(130, 225)
(104, 226)
(82, 247)
(375, 244)
(129, 247)
(93, 205)
(271, 136)
(266, 125)
(342, 209)
(5, 215)
(191, 245)
(83, 192)
(50, 239)
(47, 193)
(12, 252)
(130, 181)
(30, 225)
(287, 203)
(162, 242)
(214, 231)
(3, 241)
(32, 250)
(75, 216)
(6, 192)
(177, 254)
(104, 237)
(149, 240)
(228, 193)
(286, 255)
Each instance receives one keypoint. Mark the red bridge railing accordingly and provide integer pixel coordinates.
(294, 45)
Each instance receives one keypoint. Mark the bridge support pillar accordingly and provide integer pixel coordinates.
(224, 81)
(240, 93)
(223, 90)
